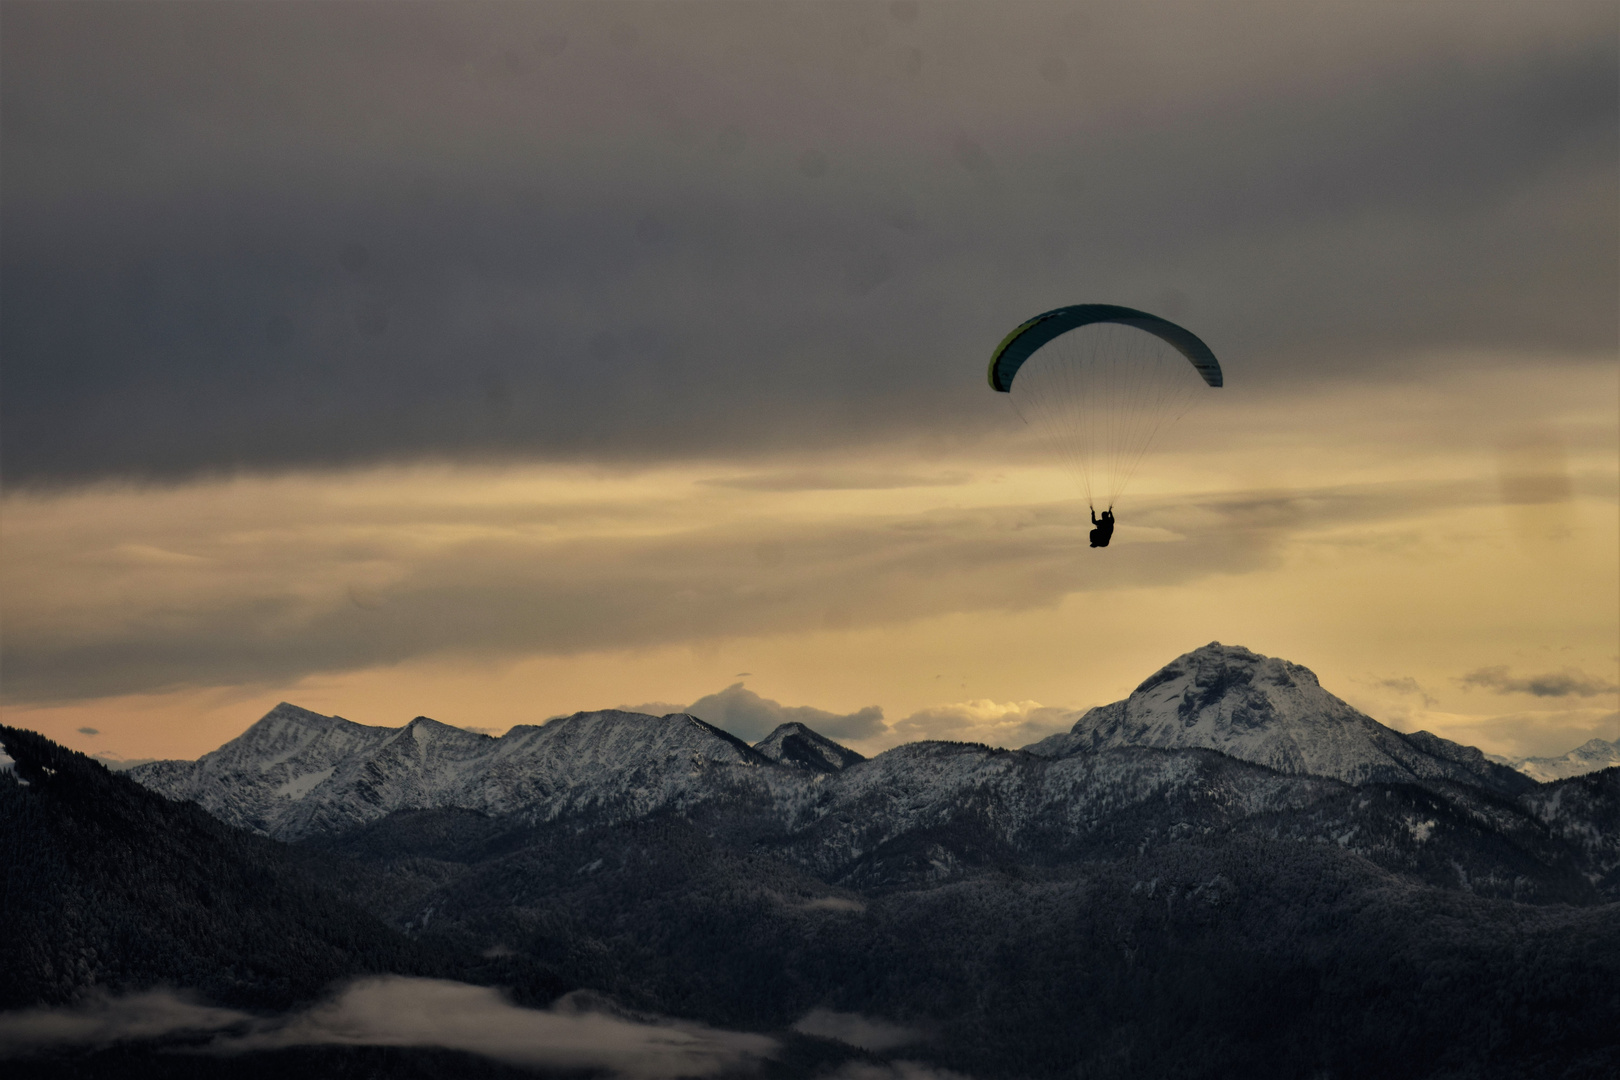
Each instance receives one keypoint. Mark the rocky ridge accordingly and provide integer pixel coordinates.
(296, 773)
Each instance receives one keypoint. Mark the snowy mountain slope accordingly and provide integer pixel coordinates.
(1016, 801)
(933, 811)
(795, 745)
(257, 777)
(1589, 757)
(295, 773)
(1274, 713)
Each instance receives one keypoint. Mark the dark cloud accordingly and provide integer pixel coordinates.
(579, 1032)
(750, 717)
(1567, 683)
(89, 731)
(271, 236)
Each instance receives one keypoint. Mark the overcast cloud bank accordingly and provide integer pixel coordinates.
(346, 234)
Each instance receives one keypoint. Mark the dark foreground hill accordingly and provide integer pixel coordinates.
(107, 886)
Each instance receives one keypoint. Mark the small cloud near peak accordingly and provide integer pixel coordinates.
(751, 717)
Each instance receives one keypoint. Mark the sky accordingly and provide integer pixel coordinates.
(496, 361)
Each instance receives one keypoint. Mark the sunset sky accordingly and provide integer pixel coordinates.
(496, 361)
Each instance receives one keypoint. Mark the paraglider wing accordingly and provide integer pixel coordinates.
(1019, 345)
(1099, 382)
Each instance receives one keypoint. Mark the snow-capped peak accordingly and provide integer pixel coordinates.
(795, 745)
(1269, 711)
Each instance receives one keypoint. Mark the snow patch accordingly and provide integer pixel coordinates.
(299, 786)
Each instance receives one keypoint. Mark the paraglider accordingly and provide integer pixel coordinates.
(1100, 382)
(1103, 530)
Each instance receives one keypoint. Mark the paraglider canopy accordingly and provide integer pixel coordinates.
(1019, 345)
(1100, 382)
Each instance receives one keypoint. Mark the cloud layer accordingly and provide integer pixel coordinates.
(397, 1011)
(267, 582)
(103, 1021)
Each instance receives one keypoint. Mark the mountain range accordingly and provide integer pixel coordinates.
(1230, 872)
(1589, 757)
(296, 773)
(1280, 743)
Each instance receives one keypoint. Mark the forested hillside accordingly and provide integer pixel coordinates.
(105, 884)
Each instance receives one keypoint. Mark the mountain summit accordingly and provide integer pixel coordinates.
(1269, 711)
(795, 745)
